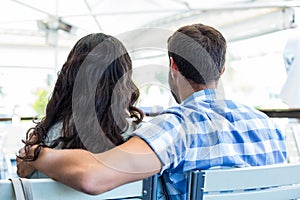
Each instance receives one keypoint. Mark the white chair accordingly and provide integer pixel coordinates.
(260, 183)
(48, 189)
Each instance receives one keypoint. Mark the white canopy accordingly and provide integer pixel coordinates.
(30, 22)
(36, 35)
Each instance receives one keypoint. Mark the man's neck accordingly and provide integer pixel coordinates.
(187, 89)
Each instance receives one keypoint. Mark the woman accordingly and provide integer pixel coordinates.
(100, 60)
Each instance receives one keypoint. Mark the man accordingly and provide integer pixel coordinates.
(204, 131)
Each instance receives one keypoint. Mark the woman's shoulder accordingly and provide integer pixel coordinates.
(131, 127)
(54, 132)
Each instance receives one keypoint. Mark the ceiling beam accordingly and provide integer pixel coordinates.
(94, 16)
(202, 11)
(31, 7)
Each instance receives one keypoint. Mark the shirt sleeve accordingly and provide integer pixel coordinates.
(166, 136)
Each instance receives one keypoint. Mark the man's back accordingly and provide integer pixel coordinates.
(205, 132)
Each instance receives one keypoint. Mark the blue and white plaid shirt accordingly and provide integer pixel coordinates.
(205, 132)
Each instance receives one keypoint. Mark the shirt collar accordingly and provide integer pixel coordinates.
(207, 94)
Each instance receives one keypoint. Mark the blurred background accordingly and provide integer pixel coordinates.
(262, 67)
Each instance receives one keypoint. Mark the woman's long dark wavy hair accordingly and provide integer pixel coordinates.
(59, 107)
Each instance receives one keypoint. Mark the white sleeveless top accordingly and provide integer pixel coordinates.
(55, 132)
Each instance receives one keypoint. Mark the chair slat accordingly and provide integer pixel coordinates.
(259, 183)
(273, 193)
(252, 177)
(6, 190)
(51, 190)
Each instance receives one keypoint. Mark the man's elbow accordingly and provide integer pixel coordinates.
(92, 185)
(88, 189)
(89, 186)
(91, 190)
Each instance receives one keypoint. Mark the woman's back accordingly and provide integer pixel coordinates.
(107, 88)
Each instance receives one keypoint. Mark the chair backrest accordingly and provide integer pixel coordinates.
(259, 183)
(49, 189)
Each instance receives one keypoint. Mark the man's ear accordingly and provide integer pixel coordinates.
(174, 68)
(223, 70)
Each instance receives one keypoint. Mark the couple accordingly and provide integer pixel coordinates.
(202, 132)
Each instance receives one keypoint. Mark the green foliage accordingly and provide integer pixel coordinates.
(41, 101)
(1, 92)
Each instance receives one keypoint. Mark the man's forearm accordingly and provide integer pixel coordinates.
(97, 173)
(71, 167)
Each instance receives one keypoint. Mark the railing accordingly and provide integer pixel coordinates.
(282, 113)
(7, 119)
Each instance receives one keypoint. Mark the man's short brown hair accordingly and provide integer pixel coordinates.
(199, 52)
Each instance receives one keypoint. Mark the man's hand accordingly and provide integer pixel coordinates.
(23, 167)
